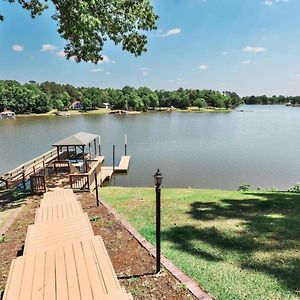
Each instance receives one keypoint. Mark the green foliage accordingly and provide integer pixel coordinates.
(94, 218)
(3, 238)
(293, 100)
(87, 25)
(41, 98)
(295, 188)
(244, 187)
(199, 102)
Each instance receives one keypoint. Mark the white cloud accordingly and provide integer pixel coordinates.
(272, 2)
(107, 73)
(96, 70)
(254, 49)
(246, 62)
(48, 47)
(145, 69)
(105, 60)
(18, 48)
(173, 31)
(224, 53)
(203, 67)
(145, 73)
(61, 53)
(179, 81)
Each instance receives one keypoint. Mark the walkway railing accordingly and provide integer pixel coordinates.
(86, 181)
(22, 173)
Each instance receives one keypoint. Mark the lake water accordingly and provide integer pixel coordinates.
(260, 146)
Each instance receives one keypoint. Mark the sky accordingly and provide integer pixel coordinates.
(251, 47)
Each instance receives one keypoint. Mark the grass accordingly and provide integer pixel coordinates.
(236, 245)
(9, 201)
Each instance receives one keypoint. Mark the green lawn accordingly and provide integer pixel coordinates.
(236, 245)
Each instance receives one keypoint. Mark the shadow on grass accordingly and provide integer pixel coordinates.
(270, 225)
(12, 199)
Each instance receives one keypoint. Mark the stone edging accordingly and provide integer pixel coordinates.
(192, 286)
(10, 220)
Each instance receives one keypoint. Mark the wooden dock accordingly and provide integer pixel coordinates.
(107, 172)
(123, 165)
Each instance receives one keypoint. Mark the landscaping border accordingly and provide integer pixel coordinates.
(191, 285)
(11, 219)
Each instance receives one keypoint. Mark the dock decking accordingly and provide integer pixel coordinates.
(107, 172)
(123, 165)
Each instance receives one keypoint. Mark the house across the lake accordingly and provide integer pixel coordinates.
(76, 105)
(7, 114)
(106, 105)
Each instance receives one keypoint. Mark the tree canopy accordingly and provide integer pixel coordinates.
(87, 25)
(40, 98)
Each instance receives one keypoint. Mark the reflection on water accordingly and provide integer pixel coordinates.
(259, 146)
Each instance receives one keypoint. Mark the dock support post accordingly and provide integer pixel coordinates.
(95, 146)
(125, 144)
(114, 148)
(96, 184)
(99, 144)
(23, 179)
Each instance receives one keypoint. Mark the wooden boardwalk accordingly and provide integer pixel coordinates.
(62, 257)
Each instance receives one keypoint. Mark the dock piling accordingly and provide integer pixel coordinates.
(114, 149)
(125, 144)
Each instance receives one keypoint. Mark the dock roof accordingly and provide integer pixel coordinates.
(78, 139)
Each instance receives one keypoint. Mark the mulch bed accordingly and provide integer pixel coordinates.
(128, 257)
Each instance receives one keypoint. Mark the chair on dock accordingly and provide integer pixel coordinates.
(62, 257)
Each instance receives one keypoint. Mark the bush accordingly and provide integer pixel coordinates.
(244, 187)
(295, 188)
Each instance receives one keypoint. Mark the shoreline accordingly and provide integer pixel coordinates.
(103, 111)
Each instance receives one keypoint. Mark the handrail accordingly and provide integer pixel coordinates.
(86, 179)
(35, 162)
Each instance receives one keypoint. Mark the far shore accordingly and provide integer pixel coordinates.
(102, 111)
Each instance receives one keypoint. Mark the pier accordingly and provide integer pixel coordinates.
(77, 158)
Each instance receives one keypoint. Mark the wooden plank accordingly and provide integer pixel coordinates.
(105, 266)
(123, 165)
(12, 289)
(72, 280)
(97, 282)
(38, 278)
(106, 173)
(78, 269)
(27, 278)
(56, 232)
(60, 274)
(49, 284)
(83, 275)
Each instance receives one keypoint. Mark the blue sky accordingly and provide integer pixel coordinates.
(247, 46)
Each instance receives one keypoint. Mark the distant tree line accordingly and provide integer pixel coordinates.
(33, 97)
(294, 100)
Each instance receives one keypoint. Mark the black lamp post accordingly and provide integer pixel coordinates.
(157, 180)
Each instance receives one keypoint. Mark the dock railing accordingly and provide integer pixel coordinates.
(86, 181)
(23, 172)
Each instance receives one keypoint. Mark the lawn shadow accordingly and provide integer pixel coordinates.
(270, 225)
(11, 199)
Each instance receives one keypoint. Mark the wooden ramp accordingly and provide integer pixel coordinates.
(123, 165)
(62, 257)
(106, 173)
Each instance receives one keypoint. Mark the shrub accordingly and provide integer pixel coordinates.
(295, 188)
(244, 187)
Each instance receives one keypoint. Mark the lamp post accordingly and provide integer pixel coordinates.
(157, 181)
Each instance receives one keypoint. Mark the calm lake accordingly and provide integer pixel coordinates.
(260, 146)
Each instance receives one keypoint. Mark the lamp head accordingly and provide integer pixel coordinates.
(157, 178)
